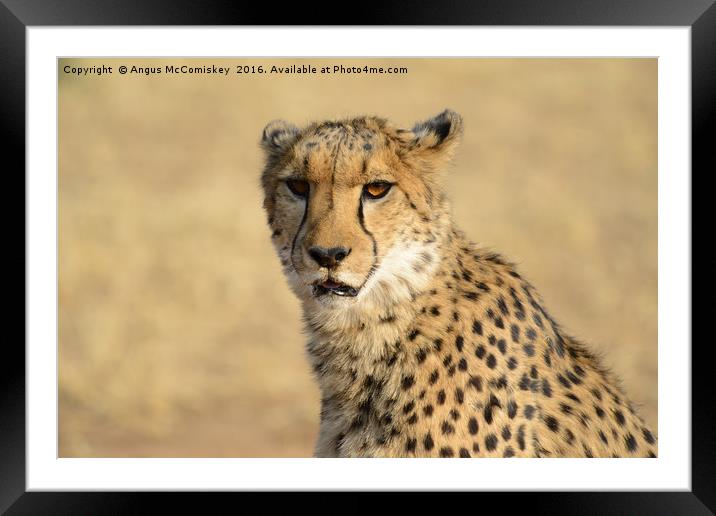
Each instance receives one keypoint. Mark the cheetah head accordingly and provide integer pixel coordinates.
(355, 206)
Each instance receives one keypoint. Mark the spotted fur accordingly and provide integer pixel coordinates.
(445, 350)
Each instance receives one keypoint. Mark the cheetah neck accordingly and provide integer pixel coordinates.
(367, 343)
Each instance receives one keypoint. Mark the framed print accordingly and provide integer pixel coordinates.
(257, 255)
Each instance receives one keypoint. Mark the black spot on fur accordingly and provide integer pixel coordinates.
(459, 342)
(573, 378)
(529, 411)
(569, 436)
(506, 433)
(587, 451)
(511, 409)
(551, 423)
(446, 428)
(515, 333)
(521, 437)
(502, 346)
(407, 382)
(477, 327)
(491, 442)
(648, 437)
(420, 356)
(487, 412)
(476, 383)
(446, 452)
(563, 381)
(428, 442)
(524, 382)
(482, 286)
(619, 417)
(434, 377)
(491, 361)
(559, 347)
(502, 306)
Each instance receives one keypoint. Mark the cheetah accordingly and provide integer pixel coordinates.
(423, 343)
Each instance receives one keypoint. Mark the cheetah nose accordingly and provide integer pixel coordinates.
(328, 257)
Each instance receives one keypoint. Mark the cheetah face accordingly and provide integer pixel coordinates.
(353, 204)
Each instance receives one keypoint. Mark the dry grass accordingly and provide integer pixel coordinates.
(178, 335)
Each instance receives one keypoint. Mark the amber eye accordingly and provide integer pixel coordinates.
(298, 187)
(376, 190)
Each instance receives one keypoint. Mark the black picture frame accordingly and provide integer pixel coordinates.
(17, 15)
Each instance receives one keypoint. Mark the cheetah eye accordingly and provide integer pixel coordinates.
(376, 190)
(298, 187)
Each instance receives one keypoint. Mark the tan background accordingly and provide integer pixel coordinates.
(177, 333)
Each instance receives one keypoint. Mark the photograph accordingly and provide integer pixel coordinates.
(357, 257)
(265, 252)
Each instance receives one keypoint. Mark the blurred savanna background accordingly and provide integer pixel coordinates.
(178, 336)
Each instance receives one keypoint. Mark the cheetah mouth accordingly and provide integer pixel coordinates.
(330, 287)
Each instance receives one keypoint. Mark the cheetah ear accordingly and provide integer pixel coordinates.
(439, 135)
(277, 136)
(427, 149)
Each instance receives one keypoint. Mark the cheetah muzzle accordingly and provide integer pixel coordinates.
(423, 343)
